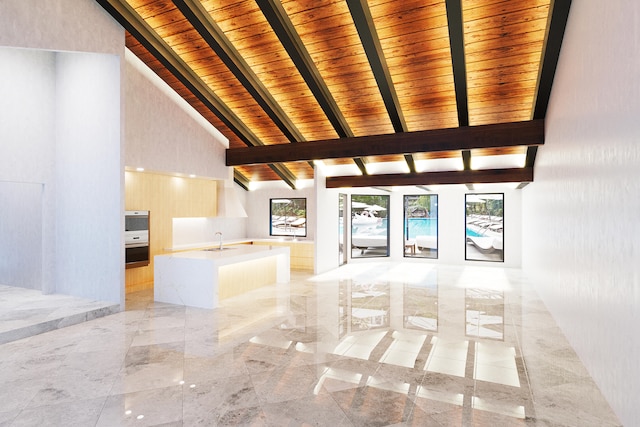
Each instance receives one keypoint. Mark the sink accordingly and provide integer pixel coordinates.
(218, 249)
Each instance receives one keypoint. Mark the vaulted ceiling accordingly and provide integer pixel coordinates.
(378, 92)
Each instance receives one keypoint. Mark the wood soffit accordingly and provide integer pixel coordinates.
(361, 83)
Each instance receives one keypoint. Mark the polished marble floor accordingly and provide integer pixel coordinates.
(27, 312)
(369, 344)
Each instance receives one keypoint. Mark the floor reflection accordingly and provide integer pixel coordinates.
(391, 322)
(369, 344)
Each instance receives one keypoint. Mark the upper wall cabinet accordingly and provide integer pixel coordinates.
(178, 197)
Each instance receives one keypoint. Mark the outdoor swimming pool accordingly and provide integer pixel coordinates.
(473, 233)
(415, 227)
(421, 227)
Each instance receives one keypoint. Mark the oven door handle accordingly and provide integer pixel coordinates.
(136, 245)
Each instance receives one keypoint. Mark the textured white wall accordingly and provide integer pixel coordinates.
(27, 151)
(27, 85)
(161, 135)
(43, 152)
(21, 234)
(257, 208)
(89, 178)
(326, 243)
(581, 215)
(451, 223)
(63, 25)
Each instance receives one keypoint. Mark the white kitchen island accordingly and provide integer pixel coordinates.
(202, 278)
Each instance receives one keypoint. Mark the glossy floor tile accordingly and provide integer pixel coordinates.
(369, 344)
(27, 312)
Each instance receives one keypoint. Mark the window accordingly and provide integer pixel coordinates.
(484, 223)
(369, 226)
(288, 217)
(421, 226)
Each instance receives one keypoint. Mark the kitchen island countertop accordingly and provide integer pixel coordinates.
(192, 278)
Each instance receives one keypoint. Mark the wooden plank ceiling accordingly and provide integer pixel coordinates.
(355, 75)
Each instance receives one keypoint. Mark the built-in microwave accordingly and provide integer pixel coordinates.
(136, 238)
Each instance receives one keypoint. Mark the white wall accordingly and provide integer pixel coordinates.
(62, 131)
(326, 245)
(581, 215)
(21, 233)
(89, 178)
(257, 207)
(62, 25)
(27, 85)
(451, 224)
(163, 134)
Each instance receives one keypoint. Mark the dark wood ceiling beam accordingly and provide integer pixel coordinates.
(369, 37)
(466, 159)
(284, 174)
(433, 178)
(241, 180)
(132, 22)
(202, 21)
(458, 63)
(362, 165)
(288, 36)
(371, 42)
(453, 139)
(456, 41)
(556, 25)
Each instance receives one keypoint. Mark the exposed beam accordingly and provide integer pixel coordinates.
(556, 25)
(371, 42)
(284, 174)
(202, 21)
(466, 165)
(434, 178)
(241, 180)
(369, 37)
(453, 139)
(456, 41)
(362, 165)
(132, 22)
(466, 159)
(288, 36)
(284, 29)
(411, 163)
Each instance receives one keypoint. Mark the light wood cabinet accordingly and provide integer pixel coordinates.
(166, 197)
(302, 252)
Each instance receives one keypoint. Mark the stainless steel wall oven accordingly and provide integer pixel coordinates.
(136, 238)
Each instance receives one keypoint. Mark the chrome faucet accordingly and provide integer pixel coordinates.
(219, 233)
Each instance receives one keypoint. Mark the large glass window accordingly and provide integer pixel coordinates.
(484, 221)
(288, 217)
(421, 226)
(369, 226)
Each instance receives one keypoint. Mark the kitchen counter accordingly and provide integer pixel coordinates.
(231, 242)
(202, 278)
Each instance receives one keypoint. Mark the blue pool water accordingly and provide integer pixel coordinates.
(421, 227)
(473, 233)
(417, 227)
